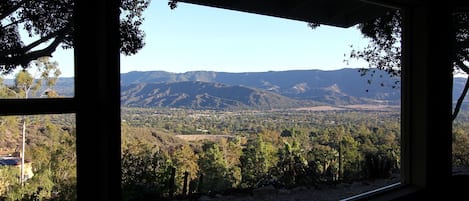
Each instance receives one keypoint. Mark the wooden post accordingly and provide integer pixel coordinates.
(341, 165)
(199, 187)
(97, 90)
(427, 95)
(192, 184)
(172, 182)
(184, 188)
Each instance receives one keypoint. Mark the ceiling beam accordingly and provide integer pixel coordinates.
(339, 13)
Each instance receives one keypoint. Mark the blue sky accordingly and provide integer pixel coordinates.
(193, 37)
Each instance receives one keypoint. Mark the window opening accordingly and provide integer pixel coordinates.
(210, 130)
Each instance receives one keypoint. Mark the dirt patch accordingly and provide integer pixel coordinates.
(319, 108)
(351, 107)
(373, 107)
(199, 137)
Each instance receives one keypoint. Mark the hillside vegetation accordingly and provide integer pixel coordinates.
(249, 149)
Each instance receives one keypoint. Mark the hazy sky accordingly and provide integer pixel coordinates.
(193, 37)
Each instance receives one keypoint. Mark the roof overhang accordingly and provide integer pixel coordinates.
(340, 13)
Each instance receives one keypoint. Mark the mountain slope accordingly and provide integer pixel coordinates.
(345, 86)
(204, 95)
(337, 87)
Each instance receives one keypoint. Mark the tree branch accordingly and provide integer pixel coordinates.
(15, 23)
(46, 38)
(465, 55)
(457, 108)
(458, 105)
(462, 66)
(41, 40)
(26, 57)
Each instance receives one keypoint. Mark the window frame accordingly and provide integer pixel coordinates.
(97, 101)
(426, 121)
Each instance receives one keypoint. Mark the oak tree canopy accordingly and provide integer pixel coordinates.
(384, 50)
(33, 29)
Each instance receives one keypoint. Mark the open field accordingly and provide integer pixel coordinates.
(200, 137)
(351, 107)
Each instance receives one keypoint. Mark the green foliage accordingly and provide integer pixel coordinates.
(215, 169)
(4, 90)
(379, 165)
(351, 158)
(334, 151)
(184, 160)
(145, 172)
(8, 178)
(51, 149)
(291, 165)
(257, 159)
(316, 147)
(232, 150)
(39, 187)
(24, 83)
(384, 49)
(460, 148)
(318, 151)
(324, 159)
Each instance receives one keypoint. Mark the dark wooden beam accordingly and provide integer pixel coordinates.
(37, 106)
(427, 95)
(340, 13)
(97, 92)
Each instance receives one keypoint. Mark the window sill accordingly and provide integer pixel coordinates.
(395, 191)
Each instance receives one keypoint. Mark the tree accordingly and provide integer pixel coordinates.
(51, 145)
(145, 172)
(291, 164)
(257, 159)
(323, 158)
(215, 169)
(49, 24)
(185, 160)
(349, 170)
(460, 148)
(26, 85)
(384, 51)
(232, 150)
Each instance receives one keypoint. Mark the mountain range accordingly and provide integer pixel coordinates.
(256, 90)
